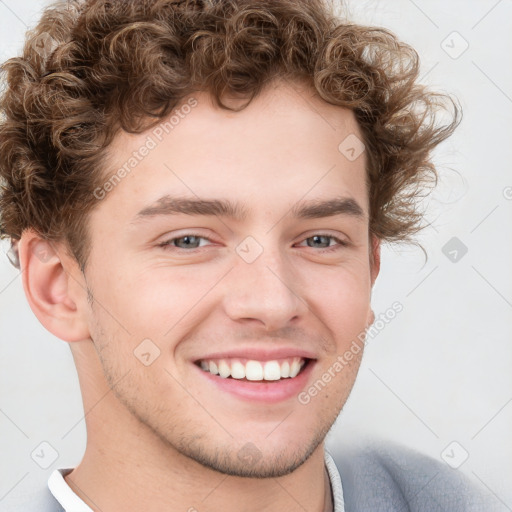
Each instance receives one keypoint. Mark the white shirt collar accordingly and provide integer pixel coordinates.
(61, 491)
(70, 502)
(335, 480)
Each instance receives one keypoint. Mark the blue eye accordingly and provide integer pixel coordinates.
(321, 239)
(191, 241)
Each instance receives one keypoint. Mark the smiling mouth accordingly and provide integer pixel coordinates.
(253, 370)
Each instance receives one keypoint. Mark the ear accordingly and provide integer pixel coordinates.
(374, 269)
(374, 258)
(54, 286)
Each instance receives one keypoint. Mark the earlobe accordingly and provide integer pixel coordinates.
(50, 289)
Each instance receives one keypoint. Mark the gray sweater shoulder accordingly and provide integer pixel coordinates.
(385, 477)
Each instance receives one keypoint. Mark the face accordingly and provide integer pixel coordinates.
(232, 255)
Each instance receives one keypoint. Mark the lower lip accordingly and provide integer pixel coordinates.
(267, 392)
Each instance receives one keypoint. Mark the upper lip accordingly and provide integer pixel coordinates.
(259, 354)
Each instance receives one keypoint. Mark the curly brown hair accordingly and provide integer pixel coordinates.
(90, 68)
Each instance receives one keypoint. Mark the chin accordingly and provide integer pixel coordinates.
(249, 460)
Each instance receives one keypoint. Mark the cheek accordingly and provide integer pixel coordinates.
(328, 392)
(345, 299)
(147, 313)
(142, 302)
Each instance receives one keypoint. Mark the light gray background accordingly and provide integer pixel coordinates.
(441, 370)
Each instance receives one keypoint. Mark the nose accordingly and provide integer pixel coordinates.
(264, 291)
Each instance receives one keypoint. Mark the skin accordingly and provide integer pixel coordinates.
(158, 436)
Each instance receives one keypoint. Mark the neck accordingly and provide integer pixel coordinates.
(126, 466)
(126, 472)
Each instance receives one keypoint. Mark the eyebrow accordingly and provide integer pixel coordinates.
(315, 209)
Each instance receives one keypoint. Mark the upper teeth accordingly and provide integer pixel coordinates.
(254, 370)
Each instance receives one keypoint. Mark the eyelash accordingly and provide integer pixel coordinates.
(168, 243)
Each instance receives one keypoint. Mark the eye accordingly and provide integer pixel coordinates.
(324, 239)
(187, 241)
(191, 241)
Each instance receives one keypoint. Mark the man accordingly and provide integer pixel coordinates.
(197, 193)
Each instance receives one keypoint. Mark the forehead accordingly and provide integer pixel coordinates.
(287, 142)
